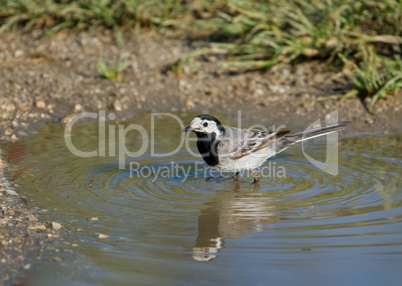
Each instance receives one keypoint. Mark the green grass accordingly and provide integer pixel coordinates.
(376, 76)
(112, 72)
(364, 36)
(91, 13)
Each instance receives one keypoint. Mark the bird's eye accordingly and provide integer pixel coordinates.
(205, 124)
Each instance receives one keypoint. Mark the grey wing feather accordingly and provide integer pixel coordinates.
(241, 142)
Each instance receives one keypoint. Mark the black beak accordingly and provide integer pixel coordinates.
(188, 128)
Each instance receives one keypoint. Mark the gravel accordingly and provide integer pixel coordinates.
(21, 235)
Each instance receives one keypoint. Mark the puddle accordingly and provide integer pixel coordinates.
(131, 227)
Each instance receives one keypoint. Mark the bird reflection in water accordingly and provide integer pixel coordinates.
(231, 215)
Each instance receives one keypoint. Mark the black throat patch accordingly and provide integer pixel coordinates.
(208, 147)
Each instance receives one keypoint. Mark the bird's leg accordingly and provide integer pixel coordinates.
(236, 176)
(256, 177)
(237, 186)
(256, 187)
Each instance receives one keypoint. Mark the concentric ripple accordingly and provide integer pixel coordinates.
(147, 189)
(162, 213)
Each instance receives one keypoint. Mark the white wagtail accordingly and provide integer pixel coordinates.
(231, 149)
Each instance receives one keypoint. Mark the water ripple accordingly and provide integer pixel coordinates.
(152, 219)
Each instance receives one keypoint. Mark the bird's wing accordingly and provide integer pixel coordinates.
(253, 141)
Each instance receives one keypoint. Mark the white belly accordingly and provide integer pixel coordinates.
(248, 162)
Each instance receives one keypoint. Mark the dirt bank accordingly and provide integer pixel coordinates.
(51, 78)
(22, 235)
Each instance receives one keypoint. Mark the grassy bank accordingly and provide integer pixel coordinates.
(364, 37)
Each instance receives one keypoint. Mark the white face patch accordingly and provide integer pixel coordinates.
(205, 126)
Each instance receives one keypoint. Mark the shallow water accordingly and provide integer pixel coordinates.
(306, 227)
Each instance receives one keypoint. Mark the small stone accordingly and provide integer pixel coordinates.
(12, 193)
(40, 104)
(5, 115)
(369, 120)
(31, 217)
(56, 226)
(101, 235)
(134, 66)
(77, 108)
(93, 218)
(14, 138)
(22, 133)
(51, 106)
(38, 227)
(10, 108)
(190, 104)
(19, 53)
(4, 242)
(117, 105)
(65, 120)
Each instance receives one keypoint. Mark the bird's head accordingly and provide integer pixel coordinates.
(204, 125)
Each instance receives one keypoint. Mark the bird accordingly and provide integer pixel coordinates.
(231, 149)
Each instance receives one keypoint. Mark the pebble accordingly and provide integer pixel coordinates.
(38, 227)
(134, 66)
(117, 105)
(10, 108)
(77, 108)
(65, 120)
(101, 235)
(5, 115)
(56, 226)
(12, 193)
(19, 53)
(190, 104)
(369, 120)
(32, 217)
(22, 133)
(40, 104)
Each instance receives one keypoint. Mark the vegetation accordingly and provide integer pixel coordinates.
(364, 37)
(376, 76)
(113, 72)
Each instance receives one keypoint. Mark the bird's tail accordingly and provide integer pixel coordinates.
(288, 140)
